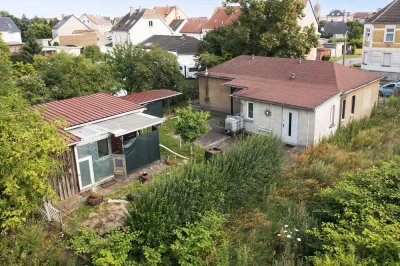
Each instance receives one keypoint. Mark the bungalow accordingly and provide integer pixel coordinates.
(299, 100)
(183, 47)
(107, 137)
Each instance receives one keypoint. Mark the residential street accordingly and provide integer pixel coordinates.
(350, 61)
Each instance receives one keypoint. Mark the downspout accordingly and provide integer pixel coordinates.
(207, 99)
(308, 127)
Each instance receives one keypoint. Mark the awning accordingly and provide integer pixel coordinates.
(119, 126)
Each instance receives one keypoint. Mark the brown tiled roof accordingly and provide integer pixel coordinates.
(98, 20)
(221, 18)
(362, 15)
(150, 96)
(194, 26)
(388, 14)
(269, 79)
(79, 39)
(164, 10)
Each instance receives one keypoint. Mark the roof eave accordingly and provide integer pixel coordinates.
(276, 103)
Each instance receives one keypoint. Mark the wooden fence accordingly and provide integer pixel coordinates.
(66, 185)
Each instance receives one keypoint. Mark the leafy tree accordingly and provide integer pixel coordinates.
(191, 124)
(355, 33)
(3, 47)
(28, 51)
(93, 52)
(39, 30)
(268, 28)
(139, 70)
(69, 76)
(28, 146)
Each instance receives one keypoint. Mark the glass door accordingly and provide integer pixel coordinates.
(85, 173)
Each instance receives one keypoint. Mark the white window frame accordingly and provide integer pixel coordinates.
(365, 58)
(332, 116)
(248, 117)
(390, 60)
(368, 34)
(390, 27)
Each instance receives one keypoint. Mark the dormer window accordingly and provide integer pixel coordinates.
(150, 23)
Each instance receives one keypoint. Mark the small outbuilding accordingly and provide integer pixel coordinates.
(152, 100)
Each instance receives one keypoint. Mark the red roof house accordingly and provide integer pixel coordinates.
(311, 98)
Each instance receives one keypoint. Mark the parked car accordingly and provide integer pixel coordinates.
(387, 89)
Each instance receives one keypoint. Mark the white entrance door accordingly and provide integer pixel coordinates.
(289, 126)
(85, 172)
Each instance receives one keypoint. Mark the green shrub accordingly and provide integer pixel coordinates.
(240, 177)
(196, 241)
(33, 245)
(326, 57)
(360, 216)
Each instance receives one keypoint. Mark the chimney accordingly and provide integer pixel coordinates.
(132, 10)
(140, 8)
(62, 16)
(293, 76)
(300, 61)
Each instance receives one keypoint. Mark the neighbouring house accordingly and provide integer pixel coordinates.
(107, 136)
(68, 25)
(183, 47)
(98, 23)
(139, 25)
(381, 46)
(362, 16)
(336, 29)
(82, 38)
(224, 15)
(194, 27)
(174, 16)
(10, 34)
(336, 48)
(152, 100)
(339, 15)
(301, 101)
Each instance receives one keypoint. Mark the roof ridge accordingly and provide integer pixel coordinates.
(386, 8)
(336, 78)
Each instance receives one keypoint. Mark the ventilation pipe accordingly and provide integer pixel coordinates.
(132, 10)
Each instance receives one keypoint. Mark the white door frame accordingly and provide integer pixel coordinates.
(290, 128)
(87, 158)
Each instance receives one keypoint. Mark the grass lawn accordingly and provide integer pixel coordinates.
(335, 59)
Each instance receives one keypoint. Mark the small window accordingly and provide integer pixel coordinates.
(389, 35)
(150, 23)
(102, 148)
(250, 110)
(192, 69)
(367, 35)
(387, 59)
(344, 109)
(365, 58)
(353, 104)
(332, 118)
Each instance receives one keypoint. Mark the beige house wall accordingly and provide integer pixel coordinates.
(366, 101)
(220, 99)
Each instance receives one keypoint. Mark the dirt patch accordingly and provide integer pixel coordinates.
(107, 217)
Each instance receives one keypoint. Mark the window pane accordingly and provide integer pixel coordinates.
(344, 109)
(86, 177)
(353, 104)
(250, 110)
(102, 148)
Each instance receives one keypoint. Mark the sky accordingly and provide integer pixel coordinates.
(116, 8)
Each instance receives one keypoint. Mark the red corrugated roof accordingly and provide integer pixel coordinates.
(150, 96)
(269, 79)
(85, 109)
